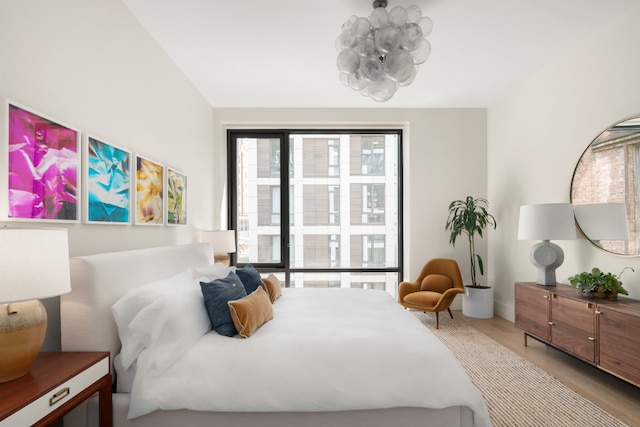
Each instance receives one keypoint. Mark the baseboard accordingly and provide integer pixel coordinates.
(506, 311)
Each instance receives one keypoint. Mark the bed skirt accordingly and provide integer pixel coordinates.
(396, 417)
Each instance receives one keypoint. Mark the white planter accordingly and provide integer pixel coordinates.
(477, 302)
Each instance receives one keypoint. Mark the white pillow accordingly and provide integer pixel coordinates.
(210, 272)
(171, 325)
(124, 377)
(129, 306)
(155, 316)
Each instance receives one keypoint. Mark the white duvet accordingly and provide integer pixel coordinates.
(324, 350)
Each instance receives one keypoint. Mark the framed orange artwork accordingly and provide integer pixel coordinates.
(149, 192)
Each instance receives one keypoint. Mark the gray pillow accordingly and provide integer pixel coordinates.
(250, 278)
(217, 294)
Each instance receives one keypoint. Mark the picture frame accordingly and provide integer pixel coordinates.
(176, 204)
(149, 192)
(43, 167)
(107, 183)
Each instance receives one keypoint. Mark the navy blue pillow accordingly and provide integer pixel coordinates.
(216, 296)
(250, 278)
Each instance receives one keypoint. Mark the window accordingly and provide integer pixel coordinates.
(372, 155)
(373, 203)
(334, 204)
(373, 251)
(268, 249)
(275, 205)
(334, 157)
(334, 251)
(268, 204)
(341, 218)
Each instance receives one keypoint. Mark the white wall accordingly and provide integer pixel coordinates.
(537, 134)
(444, 159)
(92, 66)
(89, 64)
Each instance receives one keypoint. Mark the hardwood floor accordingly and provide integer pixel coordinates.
(615, 396)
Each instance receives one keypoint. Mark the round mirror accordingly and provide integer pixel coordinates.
(605, 189)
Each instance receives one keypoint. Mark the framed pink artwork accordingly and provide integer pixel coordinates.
(43, 165)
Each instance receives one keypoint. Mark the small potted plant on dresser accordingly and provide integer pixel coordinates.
(471, 217)
(597, 284)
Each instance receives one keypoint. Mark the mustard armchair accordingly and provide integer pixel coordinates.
(435, 288)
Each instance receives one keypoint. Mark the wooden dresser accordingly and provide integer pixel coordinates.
(604, 333)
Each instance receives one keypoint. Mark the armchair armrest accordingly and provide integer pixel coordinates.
(447, 298)
(406, 288)
(453, 291)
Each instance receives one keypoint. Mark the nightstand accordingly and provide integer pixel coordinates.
(57, 383)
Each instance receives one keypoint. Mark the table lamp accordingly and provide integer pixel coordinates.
(547, 221)
(223, 242)
(603, 221)
(34, 264)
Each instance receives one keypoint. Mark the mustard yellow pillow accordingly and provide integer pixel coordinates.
(272, 285)
(251, 312)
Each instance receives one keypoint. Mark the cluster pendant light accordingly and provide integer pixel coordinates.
(380, 53)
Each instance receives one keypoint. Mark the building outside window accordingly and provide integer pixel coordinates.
(334, 157)
(373, 251)
(334, 204)
(373, 155)
(373, 203)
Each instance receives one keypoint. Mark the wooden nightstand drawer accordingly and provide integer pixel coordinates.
(48, 403)
(57, 383)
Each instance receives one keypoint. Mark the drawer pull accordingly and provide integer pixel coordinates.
(598, 312)
(591, 338)
(59, 395)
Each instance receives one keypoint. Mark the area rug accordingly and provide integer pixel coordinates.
(517, 392)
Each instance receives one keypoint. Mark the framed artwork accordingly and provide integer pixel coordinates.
(149, 192)
(108, 183)
(176, 197)
(43, 167)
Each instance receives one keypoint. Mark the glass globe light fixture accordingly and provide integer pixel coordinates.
(378, 54)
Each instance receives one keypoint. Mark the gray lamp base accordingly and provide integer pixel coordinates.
(546, 256)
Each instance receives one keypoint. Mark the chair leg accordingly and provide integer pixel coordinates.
(437, 321)
(450, 313)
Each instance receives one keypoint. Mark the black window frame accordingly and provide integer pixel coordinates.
(284, 266)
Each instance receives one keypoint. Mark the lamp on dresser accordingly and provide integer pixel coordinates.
(547, 221)
(223, 242)
(603, 221)
(34, 264)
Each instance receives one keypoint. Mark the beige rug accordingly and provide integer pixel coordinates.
(517, 392)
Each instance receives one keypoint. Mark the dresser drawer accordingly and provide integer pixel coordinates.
(573, 326)
(58, 396)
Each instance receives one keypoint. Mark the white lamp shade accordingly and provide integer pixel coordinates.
(222, 241)
(34, 264)
(547, 221)
(603, 221)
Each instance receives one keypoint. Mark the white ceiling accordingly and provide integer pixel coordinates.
(280, 53)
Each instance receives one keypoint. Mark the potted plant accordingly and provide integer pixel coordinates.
(471, 217)
(597, 284)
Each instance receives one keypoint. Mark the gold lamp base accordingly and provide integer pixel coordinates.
(223, 258)
(22, 329)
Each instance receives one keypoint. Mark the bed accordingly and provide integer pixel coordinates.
(347, 357)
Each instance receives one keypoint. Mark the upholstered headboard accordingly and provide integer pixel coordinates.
(98, 281)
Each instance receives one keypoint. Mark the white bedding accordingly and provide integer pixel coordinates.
(386, 358)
